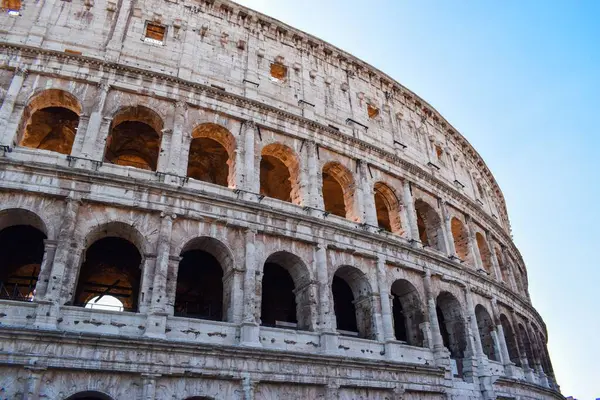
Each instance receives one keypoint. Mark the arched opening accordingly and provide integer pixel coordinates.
(525, 344)
(112, 267)
(279, 173)
(485, 325)
(452, 327)
(198, 398)
(484, 251)
(134, 138)
(105, 302)
(21, 254)
(338, 194)
(352, 303)
(200, 291)
(212, 155)
(544, 355)
(387, 208)
(89, 395)
(407, 312)
(286, 292)
(461, 238)
(50, 121)
(510, 339)
(429, 225)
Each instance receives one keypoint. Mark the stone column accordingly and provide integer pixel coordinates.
(494, 258)
(39, 28)
(8, 105)
(384, 294)
(440, 353)
(409, 203)
(175, 152)
(233, 281)
(89, 144)
(246, 178)
(113, 48)
(314, 177)
(45, 268)
(329, 337)
(332, 391)
(34, 379)
(537, 356)
(172, 284)
(368, 212)
(250, 329)
(501, 336)
(447, 229)
(477, 371)
(527, 369)
(149, 386)
(473, 248)
(248, 387)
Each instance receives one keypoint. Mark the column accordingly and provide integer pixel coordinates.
(88, 146)
(8, 105)
(527, 369)
(248, 387)
(175, 152)
(172, 284)
(233, 281)
(113, 48)
(495, 263)
(505, 355)
(34, 379)
(45, 269)
(475, 363)
(246, 178)
(332, 391)
(536, 355)
(473, 248)
(329, 337)
(384, 294)
(440, 353)
(38, 29)
(149, 386)
(447, 229)
(161, 268)
(366, 205)
(314, 177)
(411, 212)
(250, 329)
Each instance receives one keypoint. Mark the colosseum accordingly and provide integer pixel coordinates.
(198, 201)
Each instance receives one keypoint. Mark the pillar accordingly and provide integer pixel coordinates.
(384, 295)
(8, 105)
(495, 262)
(409, 203)
(440, 354)
(46, 268)
(365, 195)
(473, 248)
(172, 284)
(477, 371)
(504, 354)
(113, 48)
(314, 177)
(248, 387)
(447, 229)
(149, 386)
(89, 144)
(161, 268)
(329, 337)
(250, 329)
(332, 391)
(246, 178)
(34, 380)
(174, 167)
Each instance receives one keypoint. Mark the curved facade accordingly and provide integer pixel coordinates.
(198, 201)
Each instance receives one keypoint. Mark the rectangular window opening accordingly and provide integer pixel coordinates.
(12, 7)
(278, 72)
(372, 111)
(155, 33)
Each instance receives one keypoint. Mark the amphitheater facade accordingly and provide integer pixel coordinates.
(200, 202)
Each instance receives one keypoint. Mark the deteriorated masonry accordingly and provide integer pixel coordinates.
(200, 202)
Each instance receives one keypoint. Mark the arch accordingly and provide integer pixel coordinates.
(211, 156)
(485, 326)
(352, 302)
(338, 190)
(541, 349)
(118, 229)
(286, 292)
(452, 326)
(525, 344)
(387, 207)
(201, 291)
(22, 235)
(429, 225)
(407, 310)
(484, 251)
(461, 238)
(50, 121)
(511, 340)
(134, 138)
(89, 395)
(280, 173)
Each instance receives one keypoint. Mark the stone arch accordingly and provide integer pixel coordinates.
(287, 298)
(353, 302)
(452, 326)
(485, 326)
(211, 156)
(50, 121)
(511, 340)
(387, 207)
(134, 138)
(89, 395)
(429, 225)
(112, 264)
(540, 348)
(460, 237)
(280, 173)
(338, 190)
(203, 290)
(22, 236)
(407, 310)
(199, 398)
(484, 251)
(525, 344)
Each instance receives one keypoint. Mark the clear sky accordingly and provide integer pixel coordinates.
(521, 81)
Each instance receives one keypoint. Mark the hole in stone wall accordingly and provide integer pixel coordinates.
(155, 33)
(439, 152)
(485, 326)
(407, 312)
(22, 251)
(372, 111)
(278, 72)
(11, 5)
(461, 238)
(111, 268)
(199, 291)
(278, 306)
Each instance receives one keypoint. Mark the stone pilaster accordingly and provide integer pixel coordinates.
(440, 353)
(88, 147)
(384, 295)
(246, 177)
(161, 269)
(172, 284)
(368, 212)
(45, 268)
(7, 137)
(37, 32)
(149, 386)
(174, 166)
(494, 258)
(409, 203)
(33, 383)
(115, 44)
(447, 229)
(329, 337)
(250, 328)
(473, 248)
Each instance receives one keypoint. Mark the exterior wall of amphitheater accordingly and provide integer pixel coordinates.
(424, 238)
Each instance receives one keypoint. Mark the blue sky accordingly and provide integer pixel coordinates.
(521, 81)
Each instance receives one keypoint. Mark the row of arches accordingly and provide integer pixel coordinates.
(112, 268)
(96, 395)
